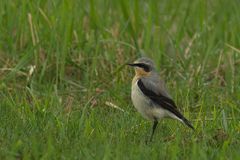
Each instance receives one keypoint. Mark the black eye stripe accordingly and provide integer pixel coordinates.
(144, 66)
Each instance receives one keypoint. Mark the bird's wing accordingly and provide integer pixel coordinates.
(158, 94)
(156, 91)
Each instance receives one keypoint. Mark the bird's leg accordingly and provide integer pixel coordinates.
(153, 129)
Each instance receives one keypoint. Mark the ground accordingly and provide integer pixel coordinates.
(65, 88)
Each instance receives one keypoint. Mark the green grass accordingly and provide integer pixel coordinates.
(79, 50)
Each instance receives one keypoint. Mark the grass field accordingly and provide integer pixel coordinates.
(62, 71)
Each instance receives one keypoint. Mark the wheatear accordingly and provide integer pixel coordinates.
(150, 97)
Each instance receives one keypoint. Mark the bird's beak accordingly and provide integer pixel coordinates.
(131, 64)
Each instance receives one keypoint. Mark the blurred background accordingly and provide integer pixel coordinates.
(62, 67)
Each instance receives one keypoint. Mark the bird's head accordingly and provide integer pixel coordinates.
(143, 66)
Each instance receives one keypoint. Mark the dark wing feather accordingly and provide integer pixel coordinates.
(163, 101)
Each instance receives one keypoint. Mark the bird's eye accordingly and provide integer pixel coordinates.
(145, 67)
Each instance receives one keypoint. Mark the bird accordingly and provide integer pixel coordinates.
(150, 96)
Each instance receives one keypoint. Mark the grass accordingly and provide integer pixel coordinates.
(62, 69)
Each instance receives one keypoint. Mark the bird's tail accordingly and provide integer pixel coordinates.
(186, 122)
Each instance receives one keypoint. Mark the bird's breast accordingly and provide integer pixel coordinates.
(145, 106)
(141, 102)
